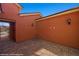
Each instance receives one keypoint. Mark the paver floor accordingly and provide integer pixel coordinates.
(35, 47)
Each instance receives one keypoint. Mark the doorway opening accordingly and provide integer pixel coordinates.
(7, 31)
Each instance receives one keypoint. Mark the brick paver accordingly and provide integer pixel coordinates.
(36, 47)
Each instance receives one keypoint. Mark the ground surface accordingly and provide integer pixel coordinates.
(36, 47)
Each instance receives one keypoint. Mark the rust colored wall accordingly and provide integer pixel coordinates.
(9, 12)
(23, 24)
(25, 27)
(56, 29)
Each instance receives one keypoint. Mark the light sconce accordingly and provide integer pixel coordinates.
(68, 21)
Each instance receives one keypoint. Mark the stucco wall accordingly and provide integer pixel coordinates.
(25, 27)
(23, 24)
(56, 29)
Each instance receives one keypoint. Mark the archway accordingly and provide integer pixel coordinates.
(7, 30)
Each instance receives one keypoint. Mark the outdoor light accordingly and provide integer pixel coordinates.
(68, 21)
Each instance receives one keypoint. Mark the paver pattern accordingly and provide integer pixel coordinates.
(35, 47)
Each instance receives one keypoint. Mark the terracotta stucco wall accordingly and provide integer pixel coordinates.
(23, 24)
(25, 27)
(9, 12)
(56, 29)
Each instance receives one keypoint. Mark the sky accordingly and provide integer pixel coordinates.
(44, 8)
(4, 24)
